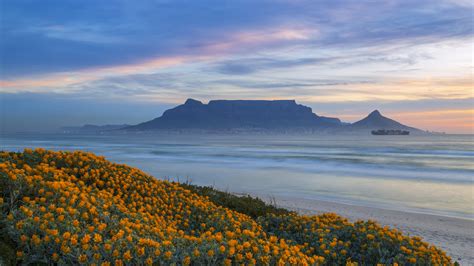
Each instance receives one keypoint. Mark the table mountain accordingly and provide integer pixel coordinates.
(239, 114)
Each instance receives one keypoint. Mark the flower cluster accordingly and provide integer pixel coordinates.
(78, 208)
(341, 241)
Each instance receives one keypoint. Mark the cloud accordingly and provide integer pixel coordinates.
(79, 35)
(251, 65)
(246, 66)
(321, 52)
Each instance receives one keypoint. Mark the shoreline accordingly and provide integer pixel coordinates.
(454, 235)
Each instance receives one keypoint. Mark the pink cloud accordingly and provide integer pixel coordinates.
(239, 40)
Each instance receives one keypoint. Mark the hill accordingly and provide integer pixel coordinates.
(69, 208)
(376, 120)
(238, 114)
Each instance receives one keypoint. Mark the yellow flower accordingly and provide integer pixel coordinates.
(116, 253)
(141, 251)
(82, 258)
(210, 253)
(102, 227)
(97, 238)
(66, 235)
(246, 244)
(248, 255)
(86, 239)
(157, 252)
(120, 213)
(127, 255)
(187, 260)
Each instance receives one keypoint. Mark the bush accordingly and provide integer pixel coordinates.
(78, 208)
(253, 207)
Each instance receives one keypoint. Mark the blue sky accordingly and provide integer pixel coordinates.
(76, 62)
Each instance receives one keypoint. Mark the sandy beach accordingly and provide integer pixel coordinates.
(454, 235)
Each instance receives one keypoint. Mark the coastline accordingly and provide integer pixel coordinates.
(455, 235)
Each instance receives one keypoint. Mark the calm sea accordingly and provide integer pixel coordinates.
(429, 174)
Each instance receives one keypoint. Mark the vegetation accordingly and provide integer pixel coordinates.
(78, 208)
(253, 207)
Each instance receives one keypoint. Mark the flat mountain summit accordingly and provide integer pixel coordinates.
(242, 115)
(238, 114)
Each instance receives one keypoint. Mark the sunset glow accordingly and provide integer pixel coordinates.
(341, 63)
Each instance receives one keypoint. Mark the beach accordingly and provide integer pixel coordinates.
(454, 235)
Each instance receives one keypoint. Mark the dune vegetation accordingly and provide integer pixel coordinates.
(78, 208)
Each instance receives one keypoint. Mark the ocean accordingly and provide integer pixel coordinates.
(425, 174)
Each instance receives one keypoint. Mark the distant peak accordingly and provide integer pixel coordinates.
(192, 101)
(375, 113)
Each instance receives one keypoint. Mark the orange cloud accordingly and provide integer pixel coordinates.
(457, 120)
(260, 37)
(400, 90)
(62, 80)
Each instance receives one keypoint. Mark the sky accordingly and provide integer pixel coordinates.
(67, 63)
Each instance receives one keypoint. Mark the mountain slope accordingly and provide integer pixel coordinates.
(376, 120)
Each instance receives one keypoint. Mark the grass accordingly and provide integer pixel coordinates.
(251, 206)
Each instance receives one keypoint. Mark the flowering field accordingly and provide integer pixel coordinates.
(75, 207)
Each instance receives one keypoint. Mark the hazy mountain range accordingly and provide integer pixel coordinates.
(258, 115)
(92, 128)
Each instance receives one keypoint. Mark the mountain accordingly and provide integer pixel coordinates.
(238, 115)
(260, 115)
(376, 120)
(87, 128)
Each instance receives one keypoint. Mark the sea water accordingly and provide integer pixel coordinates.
(428, 174)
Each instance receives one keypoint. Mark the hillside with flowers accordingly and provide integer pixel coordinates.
(78, 208)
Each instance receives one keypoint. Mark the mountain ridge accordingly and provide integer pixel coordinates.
(277, 115)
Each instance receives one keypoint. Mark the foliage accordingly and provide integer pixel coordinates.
(78, 208)
(253, 207)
